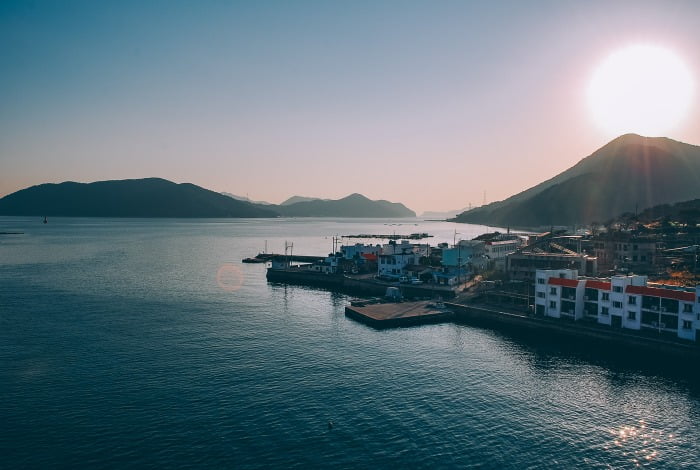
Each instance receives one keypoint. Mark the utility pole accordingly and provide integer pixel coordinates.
(459, 264)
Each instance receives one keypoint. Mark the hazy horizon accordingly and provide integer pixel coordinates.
(430, 105)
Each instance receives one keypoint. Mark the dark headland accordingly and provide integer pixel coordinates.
(156, 197)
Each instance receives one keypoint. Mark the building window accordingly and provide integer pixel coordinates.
(643, 258)
(605, 311)
(635, 247)
(687, 325)
(553, 291)
(606, 295)
(540, 280)
(633, 300)
(634, 258)
(540, 295)
(552, 304)
(617, 304)
(617, 288)
(631, 315)
(687, 308)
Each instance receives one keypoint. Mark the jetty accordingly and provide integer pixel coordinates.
(393, 314)
(264, 257)
(412, 236)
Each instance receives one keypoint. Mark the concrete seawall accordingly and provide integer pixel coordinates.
(616, 341)
(361, 286)
(304, 277)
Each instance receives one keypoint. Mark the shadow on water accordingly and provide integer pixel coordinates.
(548, 352)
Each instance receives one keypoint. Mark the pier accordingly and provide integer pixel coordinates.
(412, 236)
(263, 257)
(389, 315)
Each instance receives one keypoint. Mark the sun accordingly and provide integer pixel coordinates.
(645, 89)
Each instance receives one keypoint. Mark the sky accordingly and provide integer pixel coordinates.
(437, 105)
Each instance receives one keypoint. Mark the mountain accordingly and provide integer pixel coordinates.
(149, 197)
(295, 199)
(246, 199)
(355, 205)
(628, 174)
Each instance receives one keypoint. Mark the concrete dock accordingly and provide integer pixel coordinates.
(388, 315)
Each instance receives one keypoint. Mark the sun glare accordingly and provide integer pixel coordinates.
(643, 89)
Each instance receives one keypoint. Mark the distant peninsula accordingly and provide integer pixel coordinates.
(157, 197)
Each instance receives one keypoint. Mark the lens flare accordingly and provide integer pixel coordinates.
(229, 277)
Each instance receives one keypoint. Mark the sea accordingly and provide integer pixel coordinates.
(146, 343)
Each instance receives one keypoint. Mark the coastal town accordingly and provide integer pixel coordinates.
(623, 278)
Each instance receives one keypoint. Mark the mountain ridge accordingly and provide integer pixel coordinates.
(146, 197)
(629, 173)
(353, 205)
(157, 197)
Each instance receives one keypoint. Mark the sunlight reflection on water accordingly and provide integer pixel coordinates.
(639, 443)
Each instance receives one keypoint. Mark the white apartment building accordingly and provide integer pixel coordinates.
(622, 302)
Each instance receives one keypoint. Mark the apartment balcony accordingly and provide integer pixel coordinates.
(656, 309)
(661, 327)
(568, 314)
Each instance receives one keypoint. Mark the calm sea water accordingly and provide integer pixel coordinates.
(146, 343)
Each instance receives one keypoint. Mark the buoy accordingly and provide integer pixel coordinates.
(330, 425)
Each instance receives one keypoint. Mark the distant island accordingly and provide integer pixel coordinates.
(157, 197)
(295, 199)
(246, 199)
(629, 174)
(354, 205)
(443, 214)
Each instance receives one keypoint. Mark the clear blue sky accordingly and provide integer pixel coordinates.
(426, 103)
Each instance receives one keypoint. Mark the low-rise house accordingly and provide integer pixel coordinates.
(404, 246)
(395, 264)
(357, 250)
(623, 251)
(548, 252)
(467, 254)
(497, 250)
